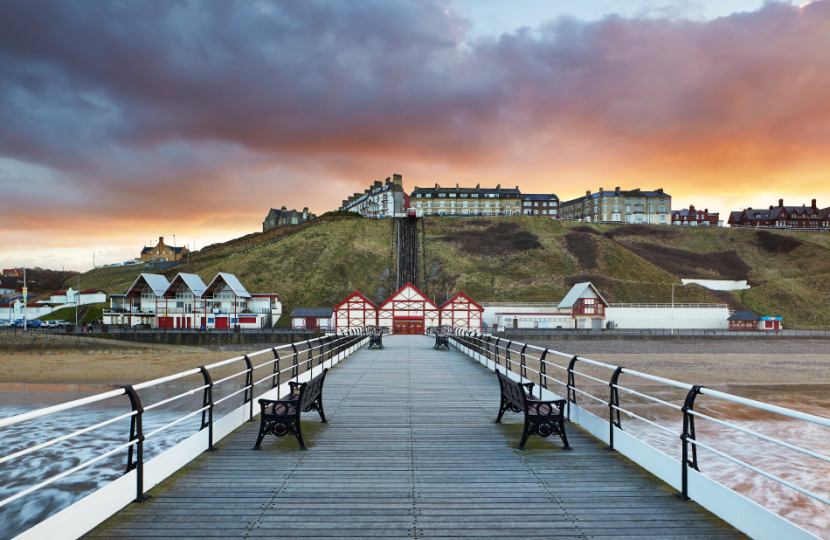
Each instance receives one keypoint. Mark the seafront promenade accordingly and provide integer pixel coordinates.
(411, 451)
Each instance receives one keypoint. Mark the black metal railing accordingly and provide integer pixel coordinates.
(288, 362)
(535, 364)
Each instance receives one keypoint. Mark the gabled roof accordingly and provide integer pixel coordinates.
(576, 293)
(192, 281)
(231, 281)
(359, 295)
(158, 284)
(391, 296)
(462, 295)
(319, 312)
(742, 315)
(91, 291)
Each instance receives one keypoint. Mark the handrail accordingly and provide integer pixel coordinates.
(317, 349)
(477, 343)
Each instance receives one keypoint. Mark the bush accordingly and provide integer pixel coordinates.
(688, 264)
(342, 213)
(654, 231)
(499, 239)
(776, 243)
(585, 249)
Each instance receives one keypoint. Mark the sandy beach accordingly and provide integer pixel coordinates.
(45, 359)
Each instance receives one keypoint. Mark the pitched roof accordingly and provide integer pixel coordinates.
(320, 313)
(416, 289)
(358, 294)
(742, 315)
(158, 284)
(192, 281)
(462, 295)
(576, 293)
(232, 282)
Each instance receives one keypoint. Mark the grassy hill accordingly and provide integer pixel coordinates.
(525, 259)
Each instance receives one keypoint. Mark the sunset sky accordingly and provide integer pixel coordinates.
(124, 121)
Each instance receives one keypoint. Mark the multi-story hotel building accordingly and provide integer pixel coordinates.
(380, 200)
(458, 201)
(634, 206)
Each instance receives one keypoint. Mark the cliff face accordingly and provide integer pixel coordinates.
(526, 259)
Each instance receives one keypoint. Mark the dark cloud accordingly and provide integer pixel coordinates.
(122, 100)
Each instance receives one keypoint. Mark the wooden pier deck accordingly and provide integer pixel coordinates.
(411, 451)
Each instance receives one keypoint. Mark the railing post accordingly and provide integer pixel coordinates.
(688, 433)
(571, 386)
(275, 380)
(136, 434)
(249, 390)
(207, 401)
(507, 360)
(295, 370)
(496, 351)
(613, 408)
(522, 367)
(543, 373)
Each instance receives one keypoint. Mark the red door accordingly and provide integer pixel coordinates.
(222, 323)
(310, 323)
(165, 322)
(202, 324)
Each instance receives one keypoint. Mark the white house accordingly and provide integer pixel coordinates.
(312, 318)
(186, 302)
(13, 311)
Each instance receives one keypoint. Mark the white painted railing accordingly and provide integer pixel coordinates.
(746, 515)
(80, 517)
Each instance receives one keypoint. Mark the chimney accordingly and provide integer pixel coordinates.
(161, 239)
(345, 203)
(388, 180)
(398, 180)
(771, 207)
(691, 208)
(814, 203)
(305, 210)
(706, 211)
(437, 186)
(498, 186)
(284, 209)
(659, 190)
(617, 190)
(601, 191)
(587, 192)
(378, 183)
(781, 203)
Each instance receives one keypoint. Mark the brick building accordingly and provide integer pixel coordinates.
(790, 217)
(162, 252)
(540, 205)
(693, 217)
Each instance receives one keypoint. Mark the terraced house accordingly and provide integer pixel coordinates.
(459, 201)
(621, 206)
(283, 216)
(788, 217)
(380, 200)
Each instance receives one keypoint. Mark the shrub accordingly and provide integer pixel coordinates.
(654, 231)
(776, 243)
(585, 249)
(500, 239)
(688, 264)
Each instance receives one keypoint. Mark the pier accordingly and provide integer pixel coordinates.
(411, 451)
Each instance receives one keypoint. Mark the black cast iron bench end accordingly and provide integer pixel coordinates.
(282, 417)
(543, 418)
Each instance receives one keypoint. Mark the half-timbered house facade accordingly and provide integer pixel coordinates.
(355, 311)
(409, 311)
(461, 312)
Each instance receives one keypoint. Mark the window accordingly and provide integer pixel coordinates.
(463, 195)
(442, 194)
(452, 194)
(474, 196)
(526, 203)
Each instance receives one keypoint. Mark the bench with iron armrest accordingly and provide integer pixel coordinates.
(376, 339)
(282, 417)
(442, 341)
(543, 418)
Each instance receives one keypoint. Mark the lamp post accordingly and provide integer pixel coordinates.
(25, 299)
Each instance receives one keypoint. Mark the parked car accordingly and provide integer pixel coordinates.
(6, 323)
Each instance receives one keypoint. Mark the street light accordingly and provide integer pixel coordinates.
(25, 299)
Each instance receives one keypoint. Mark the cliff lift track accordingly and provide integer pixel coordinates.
(406, 243)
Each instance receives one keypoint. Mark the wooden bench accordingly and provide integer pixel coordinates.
(283, 418)
(543, 418)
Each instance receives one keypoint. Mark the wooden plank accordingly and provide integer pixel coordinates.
(411, 450)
